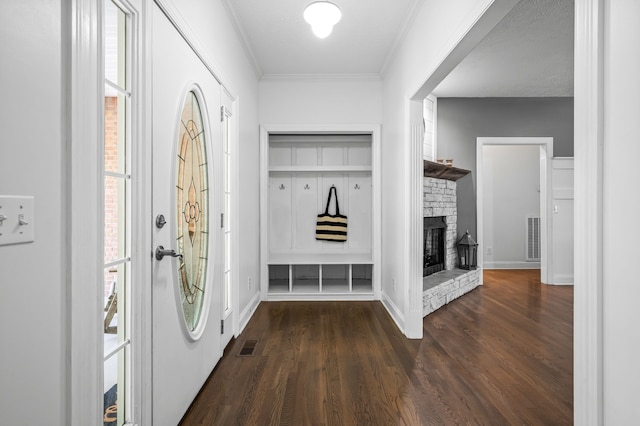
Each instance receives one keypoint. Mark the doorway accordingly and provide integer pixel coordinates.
(545, 150)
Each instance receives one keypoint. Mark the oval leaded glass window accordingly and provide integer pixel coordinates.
(192, 199)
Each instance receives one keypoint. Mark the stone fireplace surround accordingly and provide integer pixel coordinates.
(439, 199)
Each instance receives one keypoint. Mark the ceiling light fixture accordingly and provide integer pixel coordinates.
(322, 16)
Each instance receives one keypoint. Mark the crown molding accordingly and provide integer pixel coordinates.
(407, 21)
(242, 35)
(363, 76)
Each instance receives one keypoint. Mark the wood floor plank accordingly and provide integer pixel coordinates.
(500, 355)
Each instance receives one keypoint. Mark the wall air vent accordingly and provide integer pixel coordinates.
(532, 248)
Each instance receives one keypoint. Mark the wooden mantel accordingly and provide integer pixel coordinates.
(442, 171)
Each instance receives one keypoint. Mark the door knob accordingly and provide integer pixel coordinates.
(161, 253)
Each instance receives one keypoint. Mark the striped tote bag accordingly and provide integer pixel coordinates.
(331, 227)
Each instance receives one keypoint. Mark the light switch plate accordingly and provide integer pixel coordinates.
(16, 219)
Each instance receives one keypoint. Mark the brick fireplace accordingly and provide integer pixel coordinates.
(442, 284)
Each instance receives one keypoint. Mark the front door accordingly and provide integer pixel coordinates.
(187, 206)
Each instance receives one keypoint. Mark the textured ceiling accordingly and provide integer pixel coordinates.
(529, 53)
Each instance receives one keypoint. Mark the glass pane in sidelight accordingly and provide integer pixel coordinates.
(115, 50)
(114, 301)
(114, 219)
(115, 131)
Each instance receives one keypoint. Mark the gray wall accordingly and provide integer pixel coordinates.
(462, 120)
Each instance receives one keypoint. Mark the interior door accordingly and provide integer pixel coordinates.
(187, 204)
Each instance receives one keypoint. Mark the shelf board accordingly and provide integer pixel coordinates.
(316, 169)
(320, 259)
(442, 171)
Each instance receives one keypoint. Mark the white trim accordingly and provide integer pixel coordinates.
(83, 200)
(393, 310)
(242, 35)
(546, 154)
(248, 312)
(142, 323)
(264, 219)
(413, 196)
(488, 13)
(363, 76)
(588, 235)
(563, 279)
(181, 25)
(401, 34)
(117, 349)
(510, 265)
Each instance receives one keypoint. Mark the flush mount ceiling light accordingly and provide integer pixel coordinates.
(322, 16)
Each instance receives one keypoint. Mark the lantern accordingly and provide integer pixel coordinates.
(467, 252)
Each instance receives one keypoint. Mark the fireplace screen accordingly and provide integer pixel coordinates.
(434, 245)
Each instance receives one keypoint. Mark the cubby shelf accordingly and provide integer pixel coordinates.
(295, 280)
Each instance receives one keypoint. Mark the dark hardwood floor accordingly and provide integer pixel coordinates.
(500, 355)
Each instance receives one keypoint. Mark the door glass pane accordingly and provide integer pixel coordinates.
(111, 391)
(192, 202)
(114, 131)
(115, 281)
(114, 44)
(114, 219)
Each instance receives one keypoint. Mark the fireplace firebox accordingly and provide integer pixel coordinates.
(434, 245)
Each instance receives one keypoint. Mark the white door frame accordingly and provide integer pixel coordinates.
(588, 340)
(546, 154)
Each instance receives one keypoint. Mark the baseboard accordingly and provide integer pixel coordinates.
(562, 279)
(511, 265)
(393, 311)
(248, 312)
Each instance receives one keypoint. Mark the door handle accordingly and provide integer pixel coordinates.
(161, 253)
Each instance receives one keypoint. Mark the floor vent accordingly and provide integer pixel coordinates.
(247, 348)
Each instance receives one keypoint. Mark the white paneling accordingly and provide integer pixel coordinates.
(280, 214)
(359, 155)
(332, 156)
(304, 211)
(280, 155)
(359, 209)
(306, 155)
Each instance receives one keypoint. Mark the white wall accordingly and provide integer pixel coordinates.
(511, 193)
(214, 31)
(34, 301)
(437, 28)
(621, 204)
(286, 101)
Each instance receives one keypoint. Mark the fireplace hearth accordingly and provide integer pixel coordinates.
(434, 253)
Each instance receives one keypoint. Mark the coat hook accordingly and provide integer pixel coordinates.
(307, 186)
(281, 186)
(357, 186)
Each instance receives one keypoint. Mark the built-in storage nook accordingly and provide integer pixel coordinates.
(299, 167)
